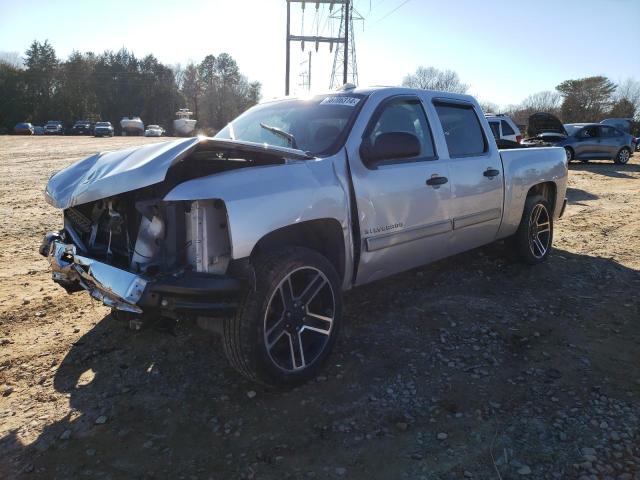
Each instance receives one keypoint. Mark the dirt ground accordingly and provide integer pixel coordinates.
(474, 367)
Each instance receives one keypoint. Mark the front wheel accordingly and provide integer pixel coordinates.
(288, 325)
(535, 234)
(623, 156)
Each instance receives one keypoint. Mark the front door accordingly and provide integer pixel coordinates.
(403, 204)
(589, 143)
(476, 176)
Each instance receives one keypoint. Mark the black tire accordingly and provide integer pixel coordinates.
(524, 240)
(245, 335)
(622, 157)
(569, 152)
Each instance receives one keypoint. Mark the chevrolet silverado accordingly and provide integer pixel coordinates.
(260, 229)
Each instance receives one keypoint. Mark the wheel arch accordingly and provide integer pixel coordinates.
(324, 235)
(547, 190)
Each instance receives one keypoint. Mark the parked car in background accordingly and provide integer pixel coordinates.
(637, 144)
(38, 130)
(103, 129)
(581, 141)
(54, 127)
(258, 231)
(23, 128)
(82, 127)
(503, 127)
(153, 131)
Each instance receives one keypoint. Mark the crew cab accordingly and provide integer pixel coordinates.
(259, 230)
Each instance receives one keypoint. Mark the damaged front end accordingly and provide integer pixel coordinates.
(172, 259)
(138, 253)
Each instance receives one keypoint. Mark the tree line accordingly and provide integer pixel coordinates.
(589, 99)
(111, 85)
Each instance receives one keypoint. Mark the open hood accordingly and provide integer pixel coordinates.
(106, 174)
(542, 122)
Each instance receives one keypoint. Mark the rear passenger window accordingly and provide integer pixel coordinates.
(495, 129)
(402, 115)
(506, 128)
(462, 129)
(608, 132)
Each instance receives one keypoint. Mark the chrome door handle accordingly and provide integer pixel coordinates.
(491, 172)
(435, 181)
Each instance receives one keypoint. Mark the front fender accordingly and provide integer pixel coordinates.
(262, 199)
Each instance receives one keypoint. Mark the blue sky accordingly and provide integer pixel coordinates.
(503, 49)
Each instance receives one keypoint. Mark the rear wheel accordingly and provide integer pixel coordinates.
(569, 152)
(623, 156)
(535, 234)
(286, 327)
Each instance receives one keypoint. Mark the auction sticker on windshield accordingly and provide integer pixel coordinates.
(347, 101)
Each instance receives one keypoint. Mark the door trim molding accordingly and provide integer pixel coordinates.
(414, 233)
(475, 218)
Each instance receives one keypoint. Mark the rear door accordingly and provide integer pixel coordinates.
(403, 204)
(475, 169)
(612, 141)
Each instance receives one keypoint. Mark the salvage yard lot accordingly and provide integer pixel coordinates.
(469, 367)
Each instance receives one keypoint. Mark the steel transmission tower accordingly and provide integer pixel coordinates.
(344, 60)
(344, 63)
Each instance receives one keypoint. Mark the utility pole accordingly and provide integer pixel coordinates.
(315, 39)
(286, 75)
(346, 43)
(309, 80)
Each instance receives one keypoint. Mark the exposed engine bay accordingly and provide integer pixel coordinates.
(152, 237)
(137, 252)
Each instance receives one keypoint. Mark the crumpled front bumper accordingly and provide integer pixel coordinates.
(113, 286)
(186, 293)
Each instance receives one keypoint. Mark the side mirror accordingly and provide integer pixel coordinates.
(388, 146)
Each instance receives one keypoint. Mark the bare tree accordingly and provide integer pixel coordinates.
(546, 101)
(431, 78)
(628, 92)
(13, 59)
(178, 74)
(489, 107)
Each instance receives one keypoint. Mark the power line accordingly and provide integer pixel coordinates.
(394, 10)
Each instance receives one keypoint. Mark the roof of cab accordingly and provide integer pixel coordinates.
(367, 91)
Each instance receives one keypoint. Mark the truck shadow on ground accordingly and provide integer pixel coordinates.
(576, 195)
(607, 168)
(441, 348)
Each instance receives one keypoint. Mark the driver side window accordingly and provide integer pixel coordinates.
(405, 116)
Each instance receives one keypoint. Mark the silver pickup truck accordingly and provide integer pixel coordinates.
(263, 227)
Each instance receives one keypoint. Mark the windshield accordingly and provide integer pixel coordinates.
(103, 124)
(572, 129)
(317, 125)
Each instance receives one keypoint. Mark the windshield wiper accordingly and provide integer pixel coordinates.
(281, 133)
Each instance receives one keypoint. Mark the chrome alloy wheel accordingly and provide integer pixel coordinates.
(539, 231)
(299, 319)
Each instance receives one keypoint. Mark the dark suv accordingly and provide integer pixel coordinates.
(82, 127)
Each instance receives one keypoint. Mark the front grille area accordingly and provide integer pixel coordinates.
(79, 222)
